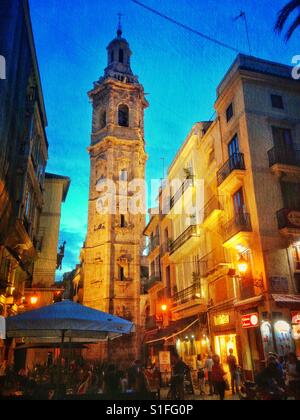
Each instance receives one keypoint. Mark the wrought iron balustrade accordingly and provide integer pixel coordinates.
(212, 261)
(288, 219)
(151, 282)
(240, 223)
(189, 182)
(151, 323)
(284, 156)
(236, 162)
(182, 239)
(191, 293)
(212, 205)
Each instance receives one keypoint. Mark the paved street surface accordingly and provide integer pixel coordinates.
(197, 397)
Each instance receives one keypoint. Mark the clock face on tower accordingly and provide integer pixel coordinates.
(114, 239)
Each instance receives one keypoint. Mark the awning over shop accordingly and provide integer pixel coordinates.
(287, 300)
(174, 330)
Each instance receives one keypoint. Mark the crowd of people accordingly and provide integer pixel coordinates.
(77, 378)
(280, 379)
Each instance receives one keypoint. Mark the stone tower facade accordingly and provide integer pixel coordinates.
(113, 247)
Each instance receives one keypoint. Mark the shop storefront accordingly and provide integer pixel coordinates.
(223, 345)
(286, 324)
(224, 335)
(192, 344)
(296, 330)
(186, 338)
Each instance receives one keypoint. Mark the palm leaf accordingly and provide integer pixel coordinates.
(293, 27)
(285, 13)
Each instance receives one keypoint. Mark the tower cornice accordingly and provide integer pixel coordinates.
(116, 86)
(112, 141)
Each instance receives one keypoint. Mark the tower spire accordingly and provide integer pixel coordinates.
(120, 30)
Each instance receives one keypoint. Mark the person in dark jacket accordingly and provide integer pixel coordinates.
(218, 377)
(179, 370)
(233, 367)
(271, 379)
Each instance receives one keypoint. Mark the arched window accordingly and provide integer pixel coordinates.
(112, 56)
(121, 55)
(123, 116)
(102, 120)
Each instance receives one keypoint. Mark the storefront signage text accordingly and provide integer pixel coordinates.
(250, 321)
(223, 319)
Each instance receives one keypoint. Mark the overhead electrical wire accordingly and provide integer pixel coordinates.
(184, 26)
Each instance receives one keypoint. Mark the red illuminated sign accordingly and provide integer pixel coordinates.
(250, 321)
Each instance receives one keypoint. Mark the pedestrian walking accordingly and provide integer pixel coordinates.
(132, 375)
(218, 377)
(179, 371)
(111, 382)
(293, 376)
(233, 368)
(201, 375)
(209, 367)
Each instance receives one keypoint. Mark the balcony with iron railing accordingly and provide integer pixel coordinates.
(213, 261)
(289, 220)
(284, 156)
(212, 208)
(189, 233)
(154, 243)
(165, 248)
(241, 223)
(189, 182)
(235, 163)
(152, 281)
(189, 294)
(150, 322)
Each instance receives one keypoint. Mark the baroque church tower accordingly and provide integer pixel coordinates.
(113, 247)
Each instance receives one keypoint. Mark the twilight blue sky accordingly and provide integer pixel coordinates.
(179, 71)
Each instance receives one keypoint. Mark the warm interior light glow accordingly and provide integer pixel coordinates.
(164, 308)
(242, 265)
(34, 300)
(241, 249)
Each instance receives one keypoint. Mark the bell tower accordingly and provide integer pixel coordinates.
(113, 247)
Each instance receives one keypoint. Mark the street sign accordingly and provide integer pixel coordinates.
(250, 321)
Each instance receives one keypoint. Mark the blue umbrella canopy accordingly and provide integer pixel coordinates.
(68, 320)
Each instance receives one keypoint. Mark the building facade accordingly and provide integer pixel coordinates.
(30, 201)
(112, 252)
(23, 154)
(55, 193)
(235, 249)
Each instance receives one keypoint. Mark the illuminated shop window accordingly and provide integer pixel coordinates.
(296, 256)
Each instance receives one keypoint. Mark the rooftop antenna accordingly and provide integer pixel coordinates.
(243, 16)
